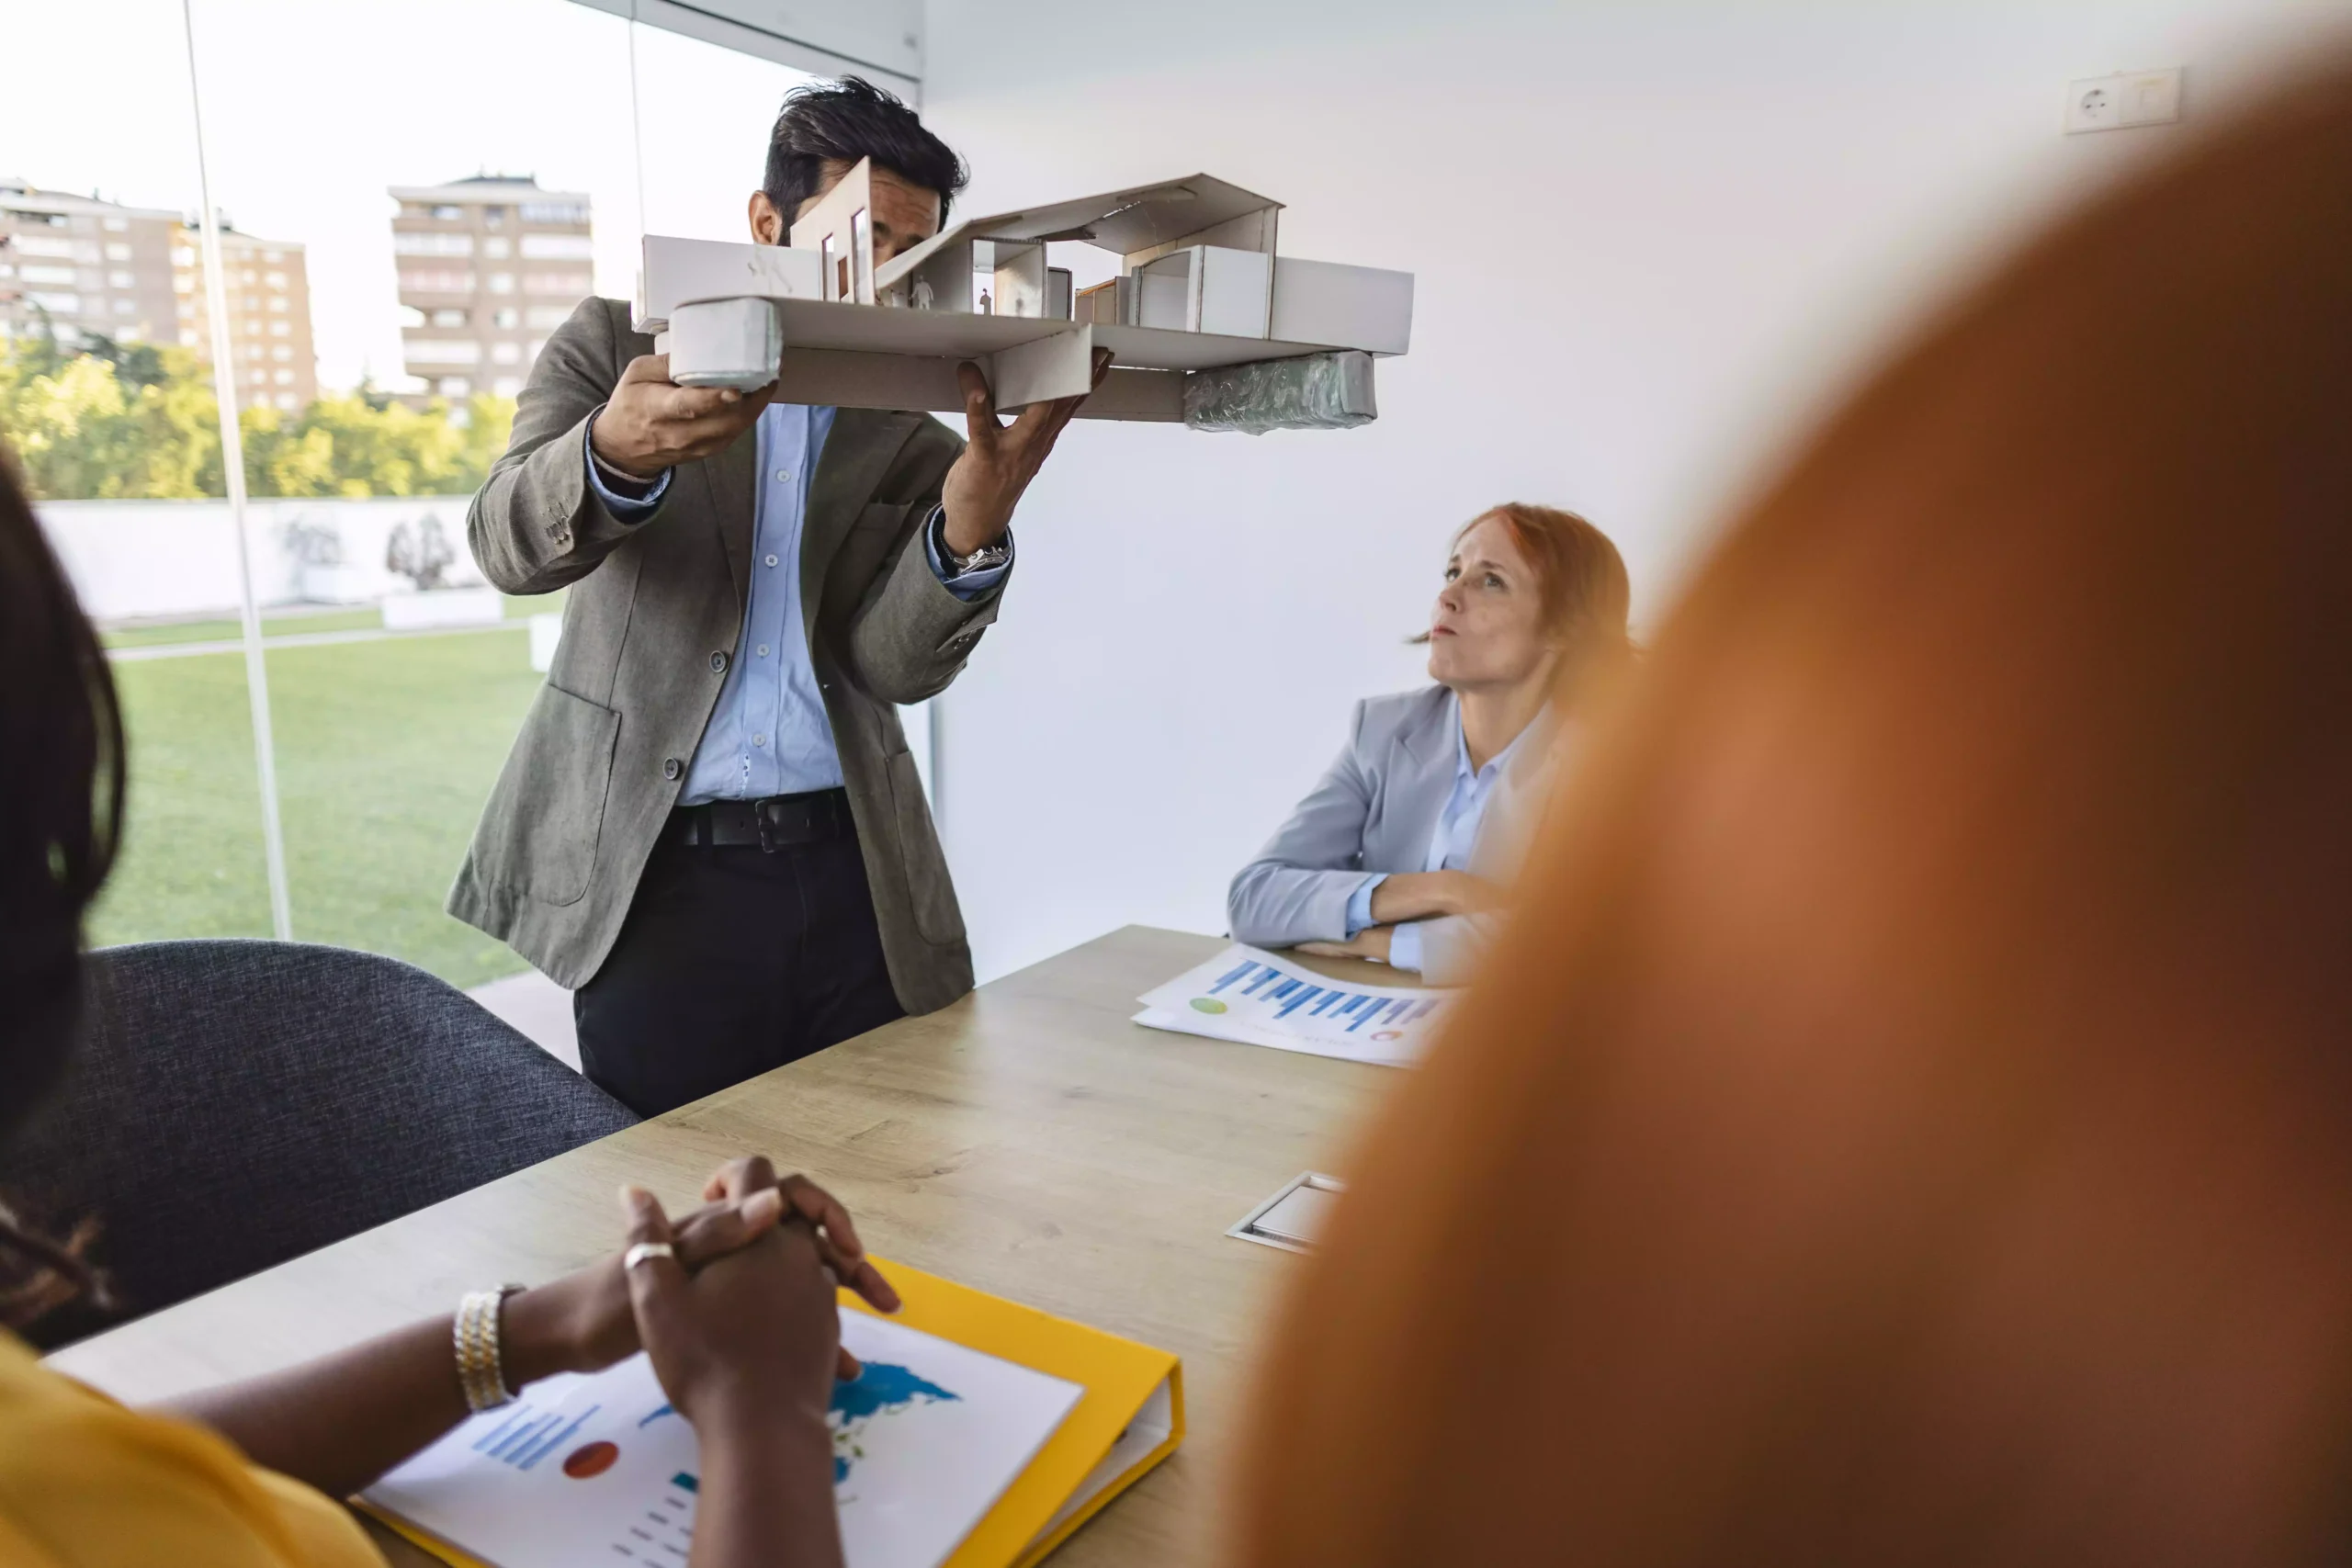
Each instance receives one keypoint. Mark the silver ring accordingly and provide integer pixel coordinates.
(647, 1249)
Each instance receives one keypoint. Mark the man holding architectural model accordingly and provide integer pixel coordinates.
(710, 826)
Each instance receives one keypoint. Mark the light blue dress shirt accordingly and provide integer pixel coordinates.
(1450, 842)
(768, 734)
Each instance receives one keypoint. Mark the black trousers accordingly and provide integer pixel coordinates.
(732, 960)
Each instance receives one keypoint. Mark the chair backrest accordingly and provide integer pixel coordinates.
(234, 1104)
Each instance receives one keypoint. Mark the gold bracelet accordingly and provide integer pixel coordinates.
(481, 1372)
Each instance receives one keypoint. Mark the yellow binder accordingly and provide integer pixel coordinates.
(1130, 1417)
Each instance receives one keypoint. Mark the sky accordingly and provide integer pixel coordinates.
(313, 108)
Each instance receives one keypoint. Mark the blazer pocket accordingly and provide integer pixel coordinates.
(938, 917)
(539, 834)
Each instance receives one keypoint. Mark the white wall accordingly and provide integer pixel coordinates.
(1651, 239)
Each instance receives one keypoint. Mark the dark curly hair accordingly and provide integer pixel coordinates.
(840, 122)
(60, 819)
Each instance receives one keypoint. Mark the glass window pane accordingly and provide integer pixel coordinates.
(705, 114)
(400, 243)
(105, 394)
(448, 206)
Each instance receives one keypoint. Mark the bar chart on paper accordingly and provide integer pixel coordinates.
(1257, 999)
(528, 1435)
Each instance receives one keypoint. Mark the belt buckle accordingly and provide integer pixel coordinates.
(760, 823)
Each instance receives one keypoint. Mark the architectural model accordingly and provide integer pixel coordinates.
(1207, 321)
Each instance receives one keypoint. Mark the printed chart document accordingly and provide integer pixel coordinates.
(599, 1469)
(1262, 998)
(980, 1434)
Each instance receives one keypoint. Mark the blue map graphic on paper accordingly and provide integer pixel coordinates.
(881, 1390)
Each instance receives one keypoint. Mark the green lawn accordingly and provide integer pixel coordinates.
(385, 753)
(360, 618)
(229, 631)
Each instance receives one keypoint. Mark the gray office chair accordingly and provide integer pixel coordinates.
(234, 1104)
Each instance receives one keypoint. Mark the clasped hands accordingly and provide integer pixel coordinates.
(1412, 895)
(649, 424)
(744, 1307)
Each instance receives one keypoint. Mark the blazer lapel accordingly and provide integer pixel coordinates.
(1421, 776)
(858, 452)
(732, 502)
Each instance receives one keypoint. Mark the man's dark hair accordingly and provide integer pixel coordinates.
(843, 121)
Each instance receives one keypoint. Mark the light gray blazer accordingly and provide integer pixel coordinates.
(1375, 811)
(649, 631)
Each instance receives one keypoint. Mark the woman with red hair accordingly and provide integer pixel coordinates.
(1400, 853)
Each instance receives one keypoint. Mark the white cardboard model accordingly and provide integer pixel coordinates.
(1200, 288)
(840, 229)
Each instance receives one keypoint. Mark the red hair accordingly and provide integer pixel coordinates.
(1579, 577)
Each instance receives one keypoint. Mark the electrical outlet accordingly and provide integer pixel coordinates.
(2091, 105)
(2125, 100)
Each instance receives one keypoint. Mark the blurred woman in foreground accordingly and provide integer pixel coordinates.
(1911, 1120)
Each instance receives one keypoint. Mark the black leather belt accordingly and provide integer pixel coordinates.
(778, 822)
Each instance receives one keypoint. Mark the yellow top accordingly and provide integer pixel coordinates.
(86, 1483)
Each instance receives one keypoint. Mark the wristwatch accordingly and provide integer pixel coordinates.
(987, 558)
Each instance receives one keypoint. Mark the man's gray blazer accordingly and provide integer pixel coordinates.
(649, 631)
(1376, 810)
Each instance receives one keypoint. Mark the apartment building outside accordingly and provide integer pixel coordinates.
(268, 293)
(488, 267)
(85, 267)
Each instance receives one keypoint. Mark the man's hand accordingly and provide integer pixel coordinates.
(986, 482)
(649, 424)
(1429, 895)
(1370, 942)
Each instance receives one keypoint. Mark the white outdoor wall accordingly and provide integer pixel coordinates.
(133, 560)
(1651, 240)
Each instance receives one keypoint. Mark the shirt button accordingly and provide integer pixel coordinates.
(759, 740)
(764, 650)
(784, 476)
(718, 664)
(672, 767)
(771, 561)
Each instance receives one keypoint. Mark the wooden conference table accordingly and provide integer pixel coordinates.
(1027, 1141)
